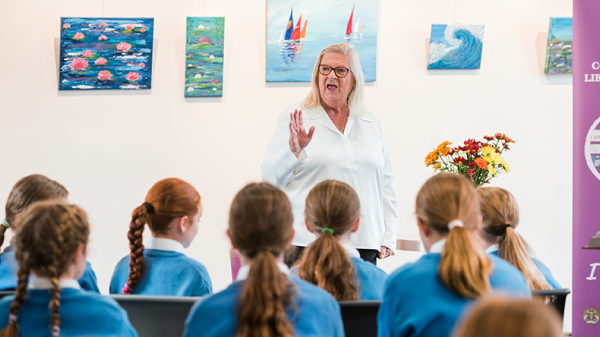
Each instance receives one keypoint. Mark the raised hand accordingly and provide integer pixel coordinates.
(299, 138)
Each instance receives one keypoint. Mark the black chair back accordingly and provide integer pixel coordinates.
(360, 318)
(156, 316)
(4, 293)
(557, 297)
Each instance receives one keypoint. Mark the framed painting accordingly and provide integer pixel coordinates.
(455, 46)
(296, 34)
(559, 50)
(106, 53)
(204, 50)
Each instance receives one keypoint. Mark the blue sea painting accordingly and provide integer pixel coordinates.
(298, 30)
(559, 50)
(455, 46)
(106, 53)
(204, 50)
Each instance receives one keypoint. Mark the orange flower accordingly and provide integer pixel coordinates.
(443, 148)
(437, 166)
(481, 163)
(431, 158)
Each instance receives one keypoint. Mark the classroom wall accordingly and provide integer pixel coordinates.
(109, 147)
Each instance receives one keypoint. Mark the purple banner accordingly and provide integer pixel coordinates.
(586, 168)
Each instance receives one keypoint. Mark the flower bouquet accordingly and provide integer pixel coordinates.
(477, 161)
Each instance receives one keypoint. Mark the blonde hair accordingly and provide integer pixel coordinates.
(464, 267)
(500, 213)
(504, 317)
(335, 206)
(356, 100)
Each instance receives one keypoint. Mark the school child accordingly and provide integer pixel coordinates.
(426, 298)
(172, 210)
(29, 189)
(332, 212)
(265, 300)
(500, 213)
(51, 248)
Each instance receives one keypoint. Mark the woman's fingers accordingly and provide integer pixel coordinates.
(311, 131)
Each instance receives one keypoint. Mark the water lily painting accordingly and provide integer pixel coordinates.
(106, 53)
(297, 33)
(559, 50)
(204, 50)
(455, 46)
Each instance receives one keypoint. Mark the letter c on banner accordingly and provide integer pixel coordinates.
(596, 65)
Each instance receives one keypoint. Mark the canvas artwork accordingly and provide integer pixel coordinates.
(559, 51)
(106, 53)
(204, 46)
(455, 46)
(298, 31)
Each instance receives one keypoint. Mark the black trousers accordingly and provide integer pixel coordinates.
(293, 255)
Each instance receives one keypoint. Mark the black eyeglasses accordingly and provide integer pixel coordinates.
(340, 71)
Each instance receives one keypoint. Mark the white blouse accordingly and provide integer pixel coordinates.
(359, 157)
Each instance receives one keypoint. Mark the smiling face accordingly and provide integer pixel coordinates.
(334, 90)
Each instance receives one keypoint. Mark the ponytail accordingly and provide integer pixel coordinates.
(136, 256)
(327, 265)
(2, 233)
(264, 299)
(514, 250)
(11, 330)
(464, 267)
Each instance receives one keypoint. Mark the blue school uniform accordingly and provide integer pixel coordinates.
(416, 303)
(82, 313)
(552, 282)
(167, 272)
(370, 280)
(318, 313)
(9, 267)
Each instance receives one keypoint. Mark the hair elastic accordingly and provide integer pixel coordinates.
(327, 230)
(12, 318)
(455, 223)
(126, 289)
(506, 226)
(5, 223)
(55, 331)
(149, 207)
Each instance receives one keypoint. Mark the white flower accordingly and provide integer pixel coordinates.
(190, 89)
(198, 76)
(214, 89)
(212, 57)
(201, 27)
(190, 65)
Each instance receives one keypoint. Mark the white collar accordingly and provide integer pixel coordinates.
(492, 248)
(244, 270)
(36, 282)
(438, 246)
(319, 111)
(164, 244)
(351, 251)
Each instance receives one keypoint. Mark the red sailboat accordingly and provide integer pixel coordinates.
(296, 33)
(349, 28)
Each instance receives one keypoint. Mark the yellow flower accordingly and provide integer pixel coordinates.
(497, 159)
(506, 168)
(492, 170)
(487, 150)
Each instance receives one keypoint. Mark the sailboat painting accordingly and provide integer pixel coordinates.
(456, 46)
(298, 30)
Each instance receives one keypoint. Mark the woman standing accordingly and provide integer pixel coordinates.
(345, 142)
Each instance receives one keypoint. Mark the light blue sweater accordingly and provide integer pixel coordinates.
(552, 282)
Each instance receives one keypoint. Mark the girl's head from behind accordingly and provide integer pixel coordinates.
(26, 191)
(172, 210)
(332, 210)
(51, 242)
(260, 227)
(504, 317)
(447, 207)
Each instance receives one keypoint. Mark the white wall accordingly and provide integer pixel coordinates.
(109, 147)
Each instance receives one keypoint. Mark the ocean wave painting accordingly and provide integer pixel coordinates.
(559, 50)
(204, 54)
(106, 53)
(455, 46)
(297, 31)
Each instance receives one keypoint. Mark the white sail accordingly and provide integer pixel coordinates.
(357, 26)
(282, 36)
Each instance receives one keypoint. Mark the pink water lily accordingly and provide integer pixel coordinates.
(214, 81)
(78, 64)
(66, 25)
(123, 46)
(102, 25)
(104, 75)
(142, 65)
(132, 76)
(78, 36)
(100, 61)
(87, 53)
(190, 55)
(129, 26)
(143, 30)
(102, 38)
(204, 40)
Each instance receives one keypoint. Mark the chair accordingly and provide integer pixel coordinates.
(4, 293)
(156, 316)
(557, 298)
(360, 318)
